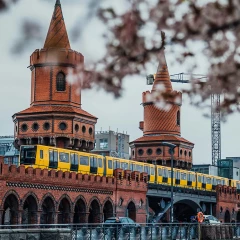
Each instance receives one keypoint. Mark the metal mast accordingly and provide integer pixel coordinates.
(216, 128)
(215, 112)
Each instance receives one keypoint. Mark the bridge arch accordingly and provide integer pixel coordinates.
(10, 208)
(184, 209)
(227, 217)
(80, 210)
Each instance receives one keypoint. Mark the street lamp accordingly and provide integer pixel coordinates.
(171, 147)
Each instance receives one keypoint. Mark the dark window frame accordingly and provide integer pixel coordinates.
(61, 82)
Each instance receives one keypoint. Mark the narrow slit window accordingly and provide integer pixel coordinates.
(61, 82)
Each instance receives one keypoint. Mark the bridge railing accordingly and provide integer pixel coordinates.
(115, 231)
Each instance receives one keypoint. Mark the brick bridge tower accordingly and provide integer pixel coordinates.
(160, 126)
(55, 116)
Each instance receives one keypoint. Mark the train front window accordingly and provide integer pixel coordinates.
(28, 155)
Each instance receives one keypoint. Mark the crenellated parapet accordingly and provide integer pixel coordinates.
(55, 56)
(32, 177)
(175, 97)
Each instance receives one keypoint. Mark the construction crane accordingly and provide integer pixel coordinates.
(215, 111)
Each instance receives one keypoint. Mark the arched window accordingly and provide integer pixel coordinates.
(178, 118)
(61, 82)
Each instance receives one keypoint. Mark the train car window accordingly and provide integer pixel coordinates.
(110, 165)
(100, 164)
(84, 160)
(238, 185)
(218, 181)
(152, 171)
(165, 173)
(41, 154)
(159, 172)
(93, 161)
(209, 180)
(124, 166)
(64, 157)
(131, 166)
(139, 168)
(74, 158)
(189, 177)
(183, 176)
(53, 156)
(146, 169)
(223, 182)
(199, 179)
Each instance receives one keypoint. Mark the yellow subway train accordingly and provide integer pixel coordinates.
(39, 156)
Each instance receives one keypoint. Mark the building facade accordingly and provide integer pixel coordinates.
(160, 125)
(110, 143)
(8, 151)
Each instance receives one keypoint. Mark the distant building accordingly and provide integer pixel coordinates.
(110, 143)
(229, 167)
(205, 168)
(7, 149)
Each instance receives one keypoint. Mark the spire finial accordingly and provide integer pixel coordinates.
(57, 36)
(162, 75)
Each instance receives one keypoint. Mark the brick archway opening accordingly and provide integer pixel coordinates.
(131, 211)
(227, 217)
(238, 217)
(48, 211)
(29, 214)
(64, 211)
(10, 210)
(79, 212)
(107, 210)
(94, 212)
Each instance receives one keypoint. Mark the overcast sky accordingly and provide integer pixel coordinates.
(122, 114)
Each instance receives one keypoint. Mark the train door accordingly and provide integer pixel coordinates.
(109, 167)
(159, 174)
(93, 165)
(183, 181)
(74, 162)
(203, 182)
(214, 183)
(100, 166)
(53, 159)
(147, 170)
(189, 179)
(116, 164)
(165, 175)
(208, 183)
(177, 177)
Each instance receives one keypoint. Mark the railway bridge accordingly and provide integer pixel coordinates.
(30, 196)
(186, 201)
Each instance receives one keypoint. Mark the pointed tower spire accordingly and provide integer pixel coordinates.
(57, 36)
(162, 75)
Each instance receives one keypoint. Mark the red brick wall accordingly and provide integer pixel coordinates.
(227, 200)
(24, 181)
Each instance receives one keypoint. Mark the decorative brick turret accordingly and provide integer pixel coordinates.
(55, 116)
(160, 125)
